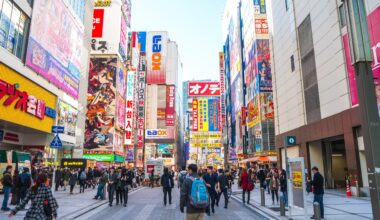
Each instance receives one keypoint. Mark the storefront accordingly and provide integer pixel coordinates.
(104, 159)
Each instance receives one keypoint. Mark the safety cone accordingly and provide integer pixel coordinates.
(348, 190)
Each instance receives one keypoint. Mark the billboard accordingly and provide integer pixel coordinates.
(67, 117)
(55, 45)
(195, 115)
(253, 112)
(121, 85)
(161, 114)
(120, 112)
(170, 105)
(213, 115)
(140, 105)
(264, 65)
(236, 96)
(142, 41)
(156, 53)
(203, 114)
(118, 142)
(222, 113)
(267, 107)
(165, 150)
(159, 134)
(130, 154)
(129, 107)
(213, 155)
(204, 89)
(101, 103)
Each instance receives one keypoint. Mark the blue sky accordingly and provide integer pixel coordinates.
(194, 24)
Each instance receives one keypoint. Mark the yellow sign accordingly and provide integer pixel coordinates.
(169, 161)
(297, 179)
(202, 114)
(206, 136)
(206, 145)
(23, 101)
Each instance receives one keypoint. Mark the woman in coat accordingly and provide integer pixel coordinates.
(73, 180)
(246, 185)
(274, 185)
(40, 196)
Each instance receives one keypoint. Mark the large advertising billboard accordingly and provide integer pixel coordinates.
(120, 112)
(67, 117)
(170, 105)
(101, 103)
(156, 53)
(213, 115)
(129, 107)
(204, 89)
(222, 113)
(203, 114)
(264, 65)
(55, 45)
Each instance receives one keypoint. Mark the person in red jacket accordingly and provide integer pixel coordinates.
(246, 185)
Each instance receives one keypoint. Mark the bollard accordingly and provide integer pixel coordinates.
(357, 188)
(282, 207)
(262, 190)
(317, 211)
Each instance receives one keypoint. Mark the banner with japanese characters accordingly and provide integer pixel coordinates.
(129, 108)
(141, 103)
(213, 114)
(204, 89)
(195, 114)
(170, 105)
(203, 114)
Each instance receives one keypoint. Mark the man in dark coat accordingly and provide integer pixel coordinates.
(317, 184)
(167, 184)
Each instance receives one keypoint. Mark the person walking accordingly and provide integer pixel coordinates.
(26, 182)
(246, 185)
(73, 180)
(167, 184)
(66, 178)
(261, 176)
(193, 211)
(151, 178)
(182, 176)
(112, 181)
(102, 183)
(274, 185)
(267, 180)
(7, 187)
(211, 179)
(222, 187)
(317, 184)
(126, 181)
(58, 178)
(119, 188)
(40, 196)
(284, 186)
(82, 180)
(16, 188)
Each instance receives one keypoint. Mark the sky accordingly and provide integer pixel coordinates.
(196, 26)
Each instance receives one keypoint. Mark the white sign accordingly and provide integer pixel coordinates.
(129, 108)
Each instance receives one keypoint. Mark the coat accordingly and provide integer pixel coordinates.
(318, 184)
(73, 179)
(274, 183)
(167, 181)
(244, 181)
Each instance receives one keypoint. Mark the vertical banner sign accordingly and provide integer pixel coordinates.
(129, 108)
(141, 103)
(222, 112)
(203, 114)
(195, 114)
(97, 23)
(170, 102)
(213, 105)
(156, 57)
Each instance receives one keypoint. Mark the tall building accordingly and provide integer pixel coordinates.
(44, 49)
(315, 90)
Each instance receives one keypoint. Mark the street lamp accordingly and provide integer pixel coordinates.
(361, 60)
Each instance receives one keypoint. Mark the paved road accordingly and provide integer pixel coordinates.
(147, 203)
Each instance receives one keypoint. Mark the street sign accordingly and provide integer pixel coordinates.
(56, 142)
(291, 140)
(58, 129)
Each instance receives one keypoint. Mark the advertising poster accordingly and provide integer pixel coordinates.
(121, 82)
(253, 112)
(213, 124)
(123, 44)
(97, 23)
(264, 66)
(170, 105)
(195, 115)
(55, 45)
(165, 150)
(156, 53)
(101, 103)
(139, 158)
(236, 96)
(161, 114)
(129, 107)
(130, 155)
(118, 144)
(261, 26)
(204, 89)
(203, 114)
(267, 107)
(120, 112)
(259, 7)
(67, 117)
(234, 46)
(142, 42)
(297, 181)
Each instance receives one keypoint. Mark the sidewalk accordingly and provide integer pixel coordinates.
(70, 206)
(336, 206)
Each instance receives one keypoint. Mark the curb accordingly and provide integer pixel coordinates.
(263, 211)
(92, 207)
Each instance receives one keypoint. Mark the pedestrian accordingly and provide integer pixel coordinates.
(112, 181)
(58, 178)
(73, 180)
(15, 200)
(274, 184)
(66, 178)
(211, 179)
(41, 197)
(7, 187)
(90, 178)
(246, 185)
(126, 180)
(182, 176)
(267, 180)
(195, 209)
(284, 187)
(82, 180)
(151, 178)
(222, 187)
(261, 176)
(167, 184)
(318, 190)
(26, 182)
(101, 184)
(119, 188)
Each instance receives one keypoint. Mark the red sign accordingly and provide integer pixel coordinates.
(170, 105)
(204, 89)
(222, 106)
(97, 23)
(195, 114)
(261, 26)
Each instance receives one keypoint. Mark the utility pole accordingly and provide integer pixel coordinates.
(361, 60)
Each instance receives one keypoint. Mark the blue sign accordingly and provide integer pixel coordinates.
(56, 142)
(50, 112)
(58, 129)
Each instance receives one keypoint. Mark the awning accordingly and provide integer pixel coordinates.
(261, 159)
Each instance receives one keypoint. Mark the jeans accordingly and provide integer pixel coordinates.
(167, 191)
(125, 192)
(7, 192)
(274, 193)
(224, 192)
(267, 184)
(23, 192)
(100, 192)
(71, 188)
(82, 184)
(119, 195)
(319, 199)
(249, 195)
(285, 198)
(111, 191)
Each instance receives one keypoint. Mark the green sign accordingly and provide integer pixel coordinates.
(291, 140)
(100, 157)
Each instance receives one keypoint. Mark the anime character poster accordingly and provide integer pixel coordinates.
(264, 66)
(121, 83)
(120, 113)
(101, 103)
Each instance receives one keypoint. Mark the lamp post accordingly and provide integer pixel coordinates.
(361, 60)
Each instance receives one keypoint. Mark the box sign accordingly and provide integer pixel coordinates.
(97, 23)
(74, 163)
(204, 89)
(159, 134)
(100, 157)
(156, 57)
(24, 102)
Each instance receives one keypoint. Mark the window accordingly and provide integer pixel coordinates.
(13, 26)
(342, 16)
(292, 63)
(286, 5)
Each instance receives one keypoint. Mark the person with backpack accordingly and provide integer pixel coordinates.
(222, 187)
(7, 187)
(73, 180)
(182, 176)
(194, 195)
(211, 179)
(167, 184)
(26, 182)
(82, 180)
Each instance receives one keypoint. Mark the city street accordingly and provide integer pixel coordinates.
(148, 204)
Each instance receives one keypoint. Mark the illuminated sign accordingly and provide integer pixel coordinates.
(204, 89)
(156, 55)
(159, 134)
(129, 108)
(74, 163)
